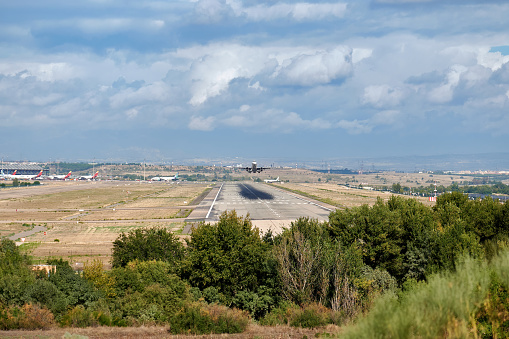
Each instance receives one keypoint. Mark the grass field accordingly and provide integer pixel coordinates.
(82, 224)
(339, 195)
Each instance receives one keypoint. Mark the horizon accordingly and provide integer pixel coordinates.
(497, 162)
(226, 79)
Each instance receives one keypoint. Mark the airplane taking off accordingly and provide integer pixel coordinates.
(268, 181)
(175, 177)
(89, 177)
(59, 177)
(21, 176)
(254, 168)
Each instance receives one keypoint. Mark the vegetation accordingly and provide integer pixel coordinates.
(401, 268)
(75, 166)
(147, 244)
(467, 187)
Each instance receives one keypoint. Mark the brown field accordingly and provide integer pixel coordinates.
(253, 331)
(80, 242)
(84, 220)
(342, 196)
(130, 214)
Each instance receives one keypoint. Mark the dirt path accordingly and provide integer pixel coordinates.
(253, 331)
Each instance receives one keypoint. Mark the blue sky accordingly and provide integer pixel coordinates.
(168, 80)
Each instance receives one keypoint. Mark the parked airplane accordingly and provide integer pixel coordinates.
(60, 176)
(21, 176)
(8, 176)
(175, 177)
(254, 168)
(268, 181)
(89, 177)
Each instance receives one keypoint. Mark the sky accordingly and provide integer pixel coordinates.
(125, 80)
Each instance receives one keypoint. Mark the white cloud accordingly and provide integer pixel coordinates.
(382, 96)
(201, 124)
(43, 71)
(301, 11)
(215, 66)
(444, 93)
(155, 92)
(493, 60)
(131, 113)
(320, 67)
(260, 120)
(355, 126)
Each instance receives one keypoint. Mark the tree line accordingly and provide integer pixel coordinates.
(228, 274)
(494, 188)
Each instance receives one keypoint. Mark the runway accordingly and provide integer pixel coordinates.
(267, 206)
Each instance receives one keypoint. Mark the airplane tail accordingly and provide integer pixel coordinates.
(277, 179)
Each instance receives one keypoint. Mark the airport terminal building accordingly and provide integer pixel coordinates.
(21, 168)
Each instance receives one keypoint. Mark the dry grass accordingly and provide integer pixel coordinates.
(93, 228)
(134, 214)
(11, 228)
(342, 196)
(253, 331)
(85, 241)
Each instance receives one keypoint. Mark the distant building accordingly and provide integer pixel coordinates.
(47, 268)
(21, 168)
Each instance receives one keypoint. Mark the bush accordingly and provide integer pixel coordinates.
(147, 244)
(310, 316)
(279, 315)
(257, 304)
(443, 307)
(28, 317)
(199, 318)
(79, 316)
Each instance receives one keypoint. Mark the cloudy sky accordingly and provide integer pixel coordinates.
(165, 80)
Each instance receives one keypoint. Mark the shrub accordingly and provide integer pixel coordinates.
(200, 318)
(78, 316)
(257, 304)
(442, 307)
(279, 315)
(310, 316)
(147, 244)
(27, 317)
(35, 318)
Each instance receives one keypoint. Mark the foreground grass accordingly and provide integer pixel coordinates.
(471, 302)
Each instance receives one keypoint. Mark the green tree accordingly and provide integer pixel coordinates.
(396, 236)
(15, 273)
(396, 188)
(148, 291)
(229, 255)
(15, 182)
(147, 244)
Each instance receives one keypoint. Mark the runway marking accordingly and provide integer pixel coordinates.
(307, 201)
(266, 204)
(207, 216)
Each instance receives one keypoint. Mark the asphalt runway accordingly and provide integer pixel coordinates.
(267, 206)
